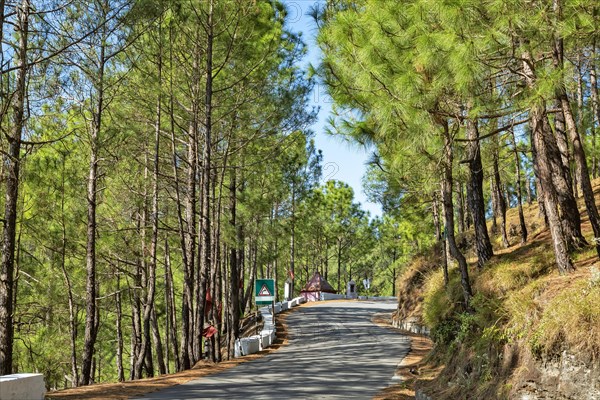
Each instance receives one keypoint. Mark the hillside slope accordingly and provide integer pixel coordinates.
(533, 334)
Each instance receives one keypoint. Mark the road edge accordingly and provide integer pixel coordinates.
(409, 368)
(141, 387)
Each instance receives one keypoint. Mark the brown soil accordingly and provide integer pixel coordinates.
(412, 367)
(125, 390)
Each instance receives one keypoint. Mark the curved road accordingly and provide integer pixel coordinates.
(334, 352)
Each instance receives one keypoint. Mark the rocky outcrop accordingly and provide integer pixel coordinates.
(564, 378)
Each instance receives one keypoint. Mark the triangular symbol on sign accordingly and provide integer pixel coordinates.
(264, 291)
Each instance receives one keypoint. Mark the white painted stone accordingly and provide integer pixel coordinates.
(268, 326)
(277, 308)
(285, 305)
(265, 339)
(237, 349)
(22, 386)
(287, 289)
(250, 345)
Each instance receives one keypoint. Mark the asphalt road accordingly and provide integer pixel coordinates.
(334, 352)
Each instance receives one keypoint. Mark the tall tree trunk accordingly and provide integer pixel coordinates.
(276, 265)
(151, 270)
(595, 109)
(215, 287)
(562, 183)
(160, 355)
(170, 305)
(563, 146)
(12, 162)
(72, 312)
(580, 90)
(201, 273)
(569, 212)
(550, 197)
(581, 169)
(546, 158)
(539, 194)
(518, 186)
(449, 217)
(460, 214)
(207, 173)
(146, 348)
(439, 236)
(500, 202)
(494, 206)
(136, 325)
(234, 279)
(184, 359)
(339, 264)
(252, 277)
(293, 242)
(227, 317)
(2, 13)
(91, 332)
(475, 195)
(221, 325)
(394, 281)
(241, 258)
(120, 370)
(326, 262)
(468, 212)
(187, 351)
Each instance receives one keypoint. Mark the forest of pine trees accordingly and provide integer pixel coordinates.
(156, 159)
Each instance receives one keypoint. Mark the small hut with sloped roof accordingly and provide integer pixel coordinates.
(315, 286)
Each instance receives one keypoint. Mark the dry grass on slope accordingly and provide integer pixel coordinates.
(524, 311)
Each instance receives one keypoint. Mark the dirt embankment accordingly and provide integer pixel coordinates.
(534, 334)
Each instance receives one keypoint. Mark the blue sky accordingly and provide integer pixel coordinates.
(341, 160)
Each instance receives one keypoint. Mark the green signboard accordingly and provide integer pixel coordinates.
(264, 291)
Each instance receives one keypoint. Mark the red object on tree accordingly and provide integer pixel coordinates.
(209, 331)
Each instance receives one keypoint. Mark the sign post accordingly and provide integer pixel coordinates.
(264, 293)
